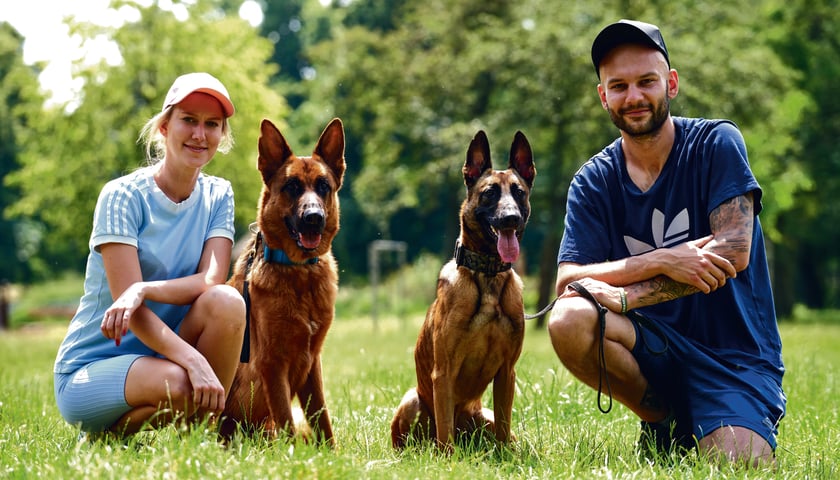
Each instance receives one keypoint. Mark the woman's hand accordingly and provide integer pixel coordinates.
(117, 317)
(208, 392)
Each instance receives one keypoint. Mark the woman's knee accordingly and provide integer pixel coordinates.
(225, 305)
(157, 383)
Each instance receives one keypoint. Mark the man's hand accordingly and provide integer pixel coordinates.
(690, 264)
(606, 294)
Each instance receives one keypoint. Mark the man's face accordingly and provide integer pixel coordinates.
(636, 89)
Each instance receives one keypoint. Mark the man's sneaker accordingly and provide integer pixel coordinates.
(654, 440)
(661, 439)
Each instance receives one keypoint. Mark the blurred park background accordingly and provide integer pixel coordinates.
(413, 81)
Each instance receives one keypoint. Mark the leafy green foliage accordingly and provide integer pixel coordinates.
(66, 157)
(413, 81)
(19, 100)
(420, 88)
(807, 38)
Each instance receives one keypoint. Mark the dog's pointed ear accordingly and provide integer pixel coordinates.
(521, 158)
(478, 158)
(330, 148)
(274, 150)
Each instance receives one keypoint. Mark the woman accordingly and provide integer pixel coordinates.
(157, 334)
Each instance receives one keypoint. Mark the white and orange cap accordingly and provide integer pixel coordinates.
(198, 82)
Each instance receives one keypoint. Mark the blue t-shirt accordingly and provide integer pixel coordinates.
(169, 238)
(608, 218)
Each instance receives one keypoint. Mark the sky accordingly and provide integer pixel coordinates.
(46, 38)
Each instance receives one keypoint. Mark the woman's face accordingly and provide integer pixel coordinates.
(194, 130)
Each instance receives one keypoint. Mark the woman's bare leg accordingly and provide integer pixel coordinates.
(160, 390)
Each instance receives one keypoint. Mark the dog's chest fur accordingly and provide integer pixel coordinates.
(490, 324)
(488, 297)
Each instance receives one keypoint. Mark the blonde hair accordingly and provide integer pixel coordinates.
(155, 143)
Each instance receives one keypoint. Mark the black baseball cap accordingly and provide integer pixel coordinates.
(627, 31)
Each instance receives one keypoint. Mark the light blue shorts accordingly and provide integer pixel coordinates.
(93, 397)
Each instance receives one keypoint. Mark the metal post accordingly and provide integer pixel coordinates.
(374, 266)
(4, 305)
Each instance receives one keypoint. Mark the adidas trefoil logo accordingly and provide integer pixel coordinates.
(677, 232)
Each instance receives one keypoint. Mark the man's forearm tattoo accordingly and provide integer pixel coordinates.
(662, 289)
(732, 224)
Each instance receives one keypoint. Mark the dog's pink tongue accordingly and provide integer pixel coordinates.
(508, 246)
(310, 241)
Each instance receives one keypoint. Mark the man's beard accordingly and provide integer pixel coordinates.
(649, 128)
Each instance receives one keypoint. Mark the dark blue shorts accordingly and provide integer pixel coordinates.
(705, 391)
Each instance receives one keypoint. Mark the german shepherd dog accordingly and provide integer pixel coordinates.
(290, 277)
(474, 329)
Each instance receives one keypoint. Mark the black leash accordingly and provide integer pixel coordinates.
(245, 354)
(643, 321)
(543, 311)
(603, 378)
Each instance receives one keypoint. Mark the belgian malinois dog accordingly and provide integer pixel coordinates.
(289, 278)
(474, 328)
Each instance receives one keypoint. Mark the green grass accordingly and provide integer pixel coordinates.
(560, 433)
(52, 301)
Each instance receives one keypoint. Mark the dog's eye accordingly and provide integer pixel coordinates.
(491, 194)
(293, 188)
(322, 187)
(517, 192)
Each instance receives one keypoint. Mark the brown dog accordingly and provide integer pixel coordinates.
(292, 281)
(474, 329)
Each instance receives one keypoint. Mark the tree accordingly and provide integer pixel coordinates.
(19, 103)
(808, 40)
(413, 81)
(60, 179)
(420, 90)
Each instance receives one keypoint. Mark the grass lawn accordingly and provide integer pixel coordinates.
(560, 432)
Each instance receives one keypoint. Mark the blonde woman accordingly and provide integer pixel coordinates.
(157, 334)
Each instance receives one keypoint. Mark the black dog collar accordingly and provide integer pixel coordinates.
(487, 264)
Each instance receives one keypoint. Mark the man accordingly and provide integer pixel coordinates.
(662, 230)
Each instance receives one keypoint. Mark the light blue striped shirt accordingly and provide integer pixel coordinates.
(169, 238)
